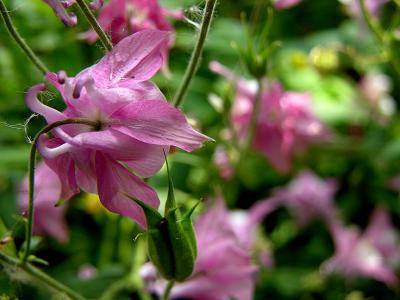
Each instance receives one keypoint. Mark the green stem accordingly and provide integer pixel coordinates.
(196, 54)
(31, 176)
(168, 290)
(372, 24)
(384, 40)
(12, 30)
(104, 38)
(14, 264)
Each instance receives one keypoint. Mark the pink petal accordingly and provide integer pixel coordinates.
(48, 219)
(157, 122)
(64, 167)
(113, 180)
(50, 114)
(137, 56)
(145, 159)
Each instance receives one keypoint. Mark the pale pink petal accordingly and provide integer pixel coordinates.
(50, 114)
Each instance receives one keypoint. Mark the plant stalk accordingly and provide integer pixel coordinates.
(194, 61)
(12, 30)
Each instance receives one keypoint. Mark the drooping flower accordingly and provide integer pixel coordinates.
(120, 18)
(372, 254)
(69, 19)
(47, 218)
(135, 125)
(308, 197)
(285, 123)
(223, 268)
(284, 4)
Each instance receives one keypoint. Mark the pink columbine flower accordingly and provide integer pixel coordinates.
(285, 123)
(69, 19)
(284, 4)
(372, 254)
(223, 267)
(47, 218)
(120, 18)
(308, 197)
(135, 126)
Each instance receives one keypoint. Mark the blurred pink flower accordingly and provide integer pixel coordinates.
(375, 89)
(135, 126)
(308, 197)
(372, 254)
(284, 4)
(285, 124)
(223, 267)
(86, 272)
(47, 218)
(120, 18)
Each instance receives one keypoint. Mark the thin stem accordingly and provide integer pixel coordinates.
(31, 176)
(384, 40)
(372, 24)
(168, 290)
(12, 30)
(196, 54)
(36, 273)
(104, 38)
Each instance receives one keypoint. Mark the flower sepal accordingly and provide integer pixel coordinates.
(171, 240)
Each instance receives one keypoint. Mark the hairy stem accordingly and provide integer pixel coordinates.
(104, 38)
(196, 54)
(12, 30)
(31, 175)
(168, 290)
(14, 264)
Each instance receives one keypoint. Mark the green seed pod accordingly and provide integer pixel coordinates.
(171, 240)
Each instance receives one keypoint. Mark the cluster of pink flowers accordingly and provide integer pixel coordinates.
(285, 123)
(224, 267)
(135, 126)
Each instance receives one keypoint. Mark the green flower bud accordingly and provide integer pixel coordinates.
(171, 240)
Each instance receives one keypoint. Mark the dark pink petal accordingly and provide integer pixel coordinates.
(113, 180)
(63, 166)
(137, 56)
(159, 123)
